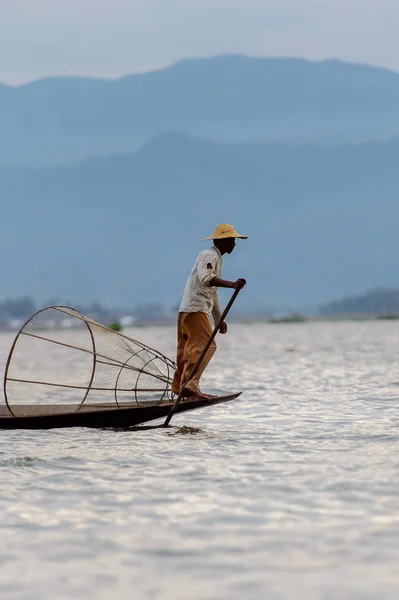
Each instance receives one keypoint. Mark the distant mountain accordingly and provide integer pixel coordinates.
(226, 98)
(378, 302)
(322, 222)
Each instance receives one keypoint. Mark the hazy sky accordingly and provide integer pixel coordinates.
(113, 37)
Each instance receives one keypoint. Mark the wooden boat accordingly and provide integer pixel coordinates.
(96, 415)
(86, 375)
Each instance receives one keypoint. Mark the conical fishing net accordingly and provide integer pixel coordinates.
(67, 362)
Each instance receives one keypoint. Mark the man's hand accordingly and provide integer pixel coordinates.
(239, 284)
(223, 328)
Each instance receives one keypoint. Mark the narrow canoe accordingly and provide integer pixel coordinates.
(96, 415)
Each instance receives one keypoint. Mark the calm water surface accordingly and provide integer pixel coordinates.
(290, 492)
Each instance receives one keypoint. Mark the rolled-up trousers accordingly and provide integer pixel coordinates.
(193, 333)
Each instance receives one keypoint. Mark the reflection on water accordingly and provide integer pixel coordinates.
(185, 430)
(289, 492)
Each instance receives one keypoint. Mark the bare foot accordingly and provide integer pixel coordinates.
(206, 396)
(189, 392)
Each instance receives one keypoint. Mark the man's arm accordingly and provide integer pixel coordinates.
(224, 283)
(216, 311)
(206, 274)
(217, 282)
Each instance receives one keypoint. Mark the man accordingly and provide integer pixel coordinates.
(200, 300)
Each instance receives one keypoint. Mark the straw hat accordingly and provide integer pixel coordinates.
(225, 230)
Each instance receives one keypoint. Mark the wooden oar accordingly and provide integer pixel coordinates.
(201, 357)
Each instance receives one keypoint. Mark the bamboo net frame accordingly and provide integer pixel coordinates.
(77, 358)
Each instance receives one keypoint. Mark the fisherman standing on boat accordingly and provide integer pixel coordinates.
(200, 300)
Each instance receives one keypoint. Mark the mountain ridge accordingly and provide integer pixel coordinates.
(219, 58)
(126, 229)
(225, 98)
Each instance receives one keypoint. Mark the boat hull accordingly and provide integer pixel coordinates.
(102, 418)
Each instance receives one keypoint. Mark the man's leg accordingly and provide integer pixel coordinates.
(181, 342)
(197, 329)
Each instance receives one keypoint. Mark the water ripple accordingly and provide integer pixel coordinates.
(289, 492)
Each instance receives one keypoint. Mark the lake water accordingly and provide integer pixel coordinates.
(290, 492)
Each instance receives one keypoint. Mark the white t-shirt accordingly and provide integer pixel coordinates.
(198, 295)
